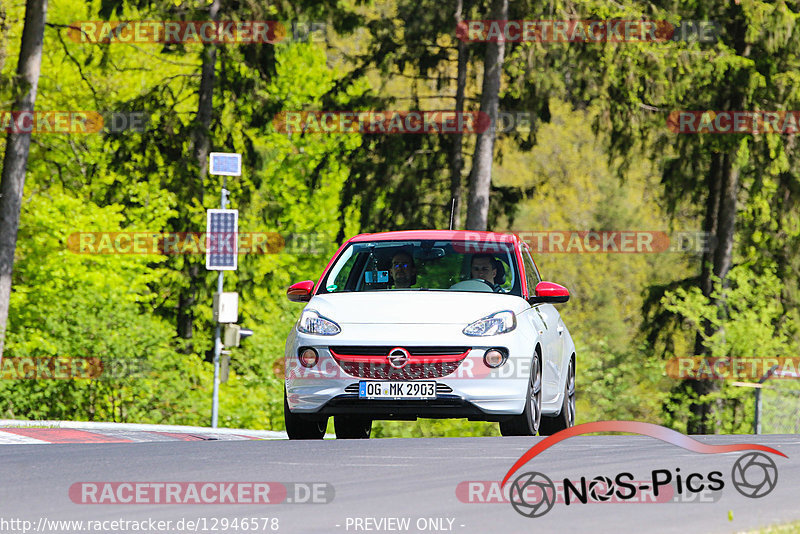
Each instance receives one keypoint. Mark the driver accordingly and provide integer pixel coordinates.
(404, 273)
(484, 267)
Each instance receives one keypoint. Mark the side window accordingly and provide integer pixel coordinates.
(535, 269)
(531, 272)
(338, 276)
(340, 282)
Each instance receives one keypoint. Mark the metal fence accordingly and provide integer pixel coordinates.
(780, 406)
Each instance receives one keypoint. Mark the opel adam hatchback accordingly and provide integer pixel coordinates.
(433, 324)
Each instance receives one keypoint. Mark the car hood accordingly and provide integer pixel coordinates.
(413, 307)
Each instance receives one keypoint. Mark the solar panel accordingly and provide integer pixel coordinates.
(226, 164)
(222, 240)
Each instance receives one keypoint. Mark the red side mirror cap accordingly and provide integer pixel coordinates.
(301, 291)
(549, 292)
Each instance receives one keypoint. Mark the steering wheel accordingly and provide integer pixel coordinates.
(495, 287)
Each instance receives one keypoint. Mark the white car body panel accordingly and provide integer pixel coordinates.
(415, 318)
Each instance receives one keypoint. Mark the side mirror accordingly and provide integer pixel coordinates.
(301, 291)
(549, 292)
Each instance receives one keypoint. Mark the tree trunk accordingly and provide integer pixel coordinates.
(456, 157)
(202, 146)
(202, 140)
(710, 223)
(18, 145)
(3, 35)
(726, 221)
(720, 221)
(480, 178)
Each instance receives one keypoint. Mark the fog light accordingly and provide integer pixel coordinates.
(494, 358)
(308, 357)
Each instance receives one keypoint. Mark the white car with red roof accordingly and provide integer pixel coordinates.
(432, 324)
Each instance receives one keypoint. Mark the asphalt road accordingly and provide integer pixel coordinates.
(373, 481)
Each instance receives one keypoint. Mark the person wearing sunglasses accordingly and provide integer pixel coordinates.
(404, 272)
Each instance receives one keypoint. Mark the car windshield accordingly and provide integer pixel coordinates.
(436, 265)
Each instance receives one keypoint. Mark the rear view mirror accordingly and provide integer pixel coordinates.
(432, 254)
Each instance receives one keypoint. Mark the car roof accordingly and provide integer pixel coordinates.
(451, 235)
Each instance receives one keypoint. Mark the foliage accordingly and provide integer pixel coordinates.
(573, 189)
(752, 325)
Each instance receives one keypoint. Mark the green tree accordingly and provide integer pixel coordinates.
(572, 188)
(752, 65)
(15, 160)
(754, 326)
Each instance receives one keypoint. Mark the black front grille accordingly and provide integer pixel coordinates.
(412, 371)
(372, 361)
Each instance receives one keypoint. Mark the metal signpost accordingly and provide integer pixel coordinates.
(221, 255)
(757, 386)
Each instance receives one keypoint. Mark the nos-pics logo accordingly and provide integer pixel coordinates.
(533, 494)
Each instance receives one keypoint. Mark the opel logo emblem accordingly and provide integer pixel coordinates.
(398, 357)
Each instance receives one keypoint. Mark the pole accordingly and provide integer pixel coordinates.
(452, 212)
(223, 203)
(757, 417)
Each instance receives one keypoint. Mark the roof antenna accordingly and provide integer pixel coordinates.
(452, 212)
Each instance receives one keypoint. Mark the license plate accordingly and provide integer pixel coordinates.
(396, 390)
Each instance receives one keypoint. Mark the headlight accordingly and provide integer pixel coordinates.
(312, 322)
(496, 323)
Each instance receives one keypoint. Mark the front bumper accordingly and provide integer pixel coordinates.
(472, 391)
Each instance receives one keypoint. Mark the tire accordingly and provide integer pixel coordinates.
(299, 428)
(527, 423)
(566, 418)
(352, 427)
